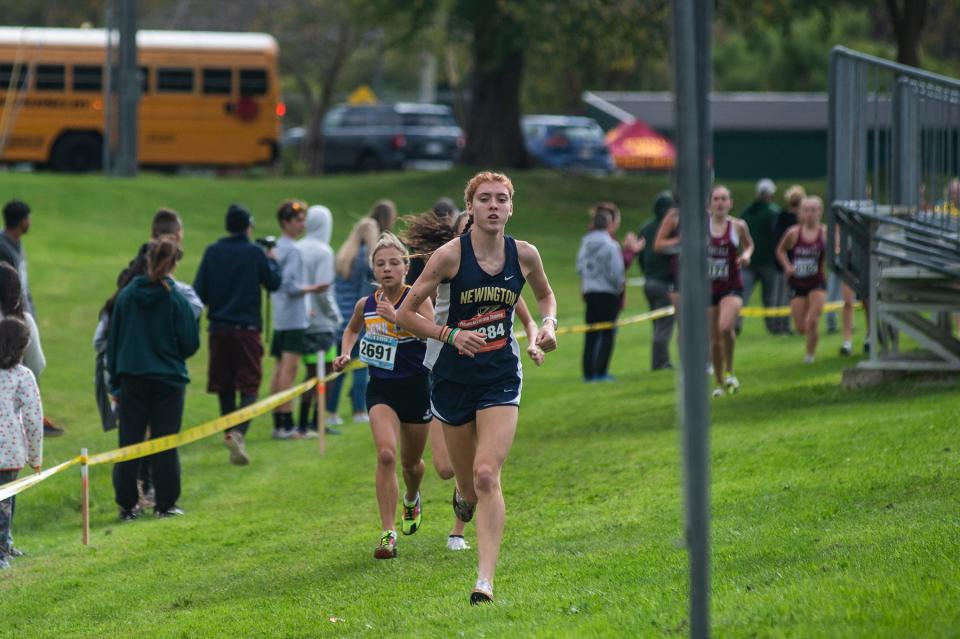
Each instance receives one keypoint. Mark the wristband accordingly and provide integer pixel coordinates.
(550, 319)
(441, 336)
(452, 335)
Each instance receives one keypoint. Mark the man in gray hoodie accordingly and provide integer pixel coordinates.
(323, 315)
(602, 278)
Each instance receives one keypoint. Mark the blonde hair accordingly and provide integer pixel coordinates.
(794, 195)
(389, 240)
(364, 232)
(480, 178)
(815, 199)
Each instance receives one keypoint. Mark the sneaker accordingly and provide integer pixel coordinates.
(732, 383)
(238, 449)
(605, 378)
(361, 418)
(4, 563)
(808, 359)
(388, 546)
(332, 431)
(846, 350)
(412, 516)
(461, 507)
(717, 392)
(457, 542)
(334, 419)
(482, 593)
(50, 429)
(285, 433)
(16, 552)
(309, 434)
(129, 514)
(172, 511)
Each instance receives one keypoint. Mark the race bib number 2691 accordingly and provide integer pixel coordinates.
(378, 350)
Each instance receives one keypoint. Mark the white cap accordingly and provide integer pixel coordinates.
(766, 187)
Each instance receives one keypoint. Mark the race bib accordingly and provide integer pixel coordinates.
(804, 267)
(378, 350)
(492, 326)
(718, 269)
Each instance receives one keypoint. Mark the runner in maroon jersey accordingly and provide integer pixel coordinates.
(729, 247)
(801, 253)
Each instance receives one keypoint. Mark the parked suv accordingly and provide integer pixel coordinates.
(390, 136)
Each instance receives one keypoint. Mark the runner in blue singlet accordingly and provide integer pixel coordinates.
(398, 392)
(477, 377)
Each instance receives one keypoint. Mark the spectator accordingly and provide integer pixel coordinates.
(153, 331)
(228, 281)
(445, 208)
(600, 265)
(787, 218)
(323, 316)
(761, 216)
(354, 279)
(21, 423)
(658, 283)
(289, 314)
(16, 224)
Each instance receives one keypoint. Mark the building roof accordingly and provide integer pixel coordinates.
(745, 110)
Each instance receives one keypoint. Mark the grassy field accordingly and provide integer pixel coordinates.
(834, 513)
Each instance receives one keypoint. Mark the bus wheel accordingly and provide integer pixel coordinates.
(77, 153)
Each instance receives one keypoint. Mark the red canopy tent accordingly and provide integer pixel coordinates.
(634, 145)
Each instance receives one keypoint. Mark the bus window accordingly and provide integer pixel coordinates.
(174, 80)
(50, 77)
(6, 71)
(217, 82)
(253, 82)
(88, 77)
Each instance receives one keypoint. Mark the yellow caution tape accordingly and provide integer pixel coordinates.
(161, 444)
(20, 485)
(784, 311)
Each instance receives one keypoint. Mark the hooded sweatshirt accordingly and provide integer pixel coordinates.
(761, 217)
(152, 333)
(600, 263)
(656, 266)
(318, 267)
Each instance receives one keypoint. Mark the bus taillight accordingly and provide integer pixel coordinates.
(281, 109)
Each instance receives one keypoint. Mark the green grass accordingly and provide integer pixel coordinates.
(834, 513)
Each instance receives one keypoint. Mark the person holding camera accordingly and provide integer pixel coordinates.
(228, 281)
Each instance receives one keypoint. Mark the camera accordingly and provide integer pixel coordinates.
(267, 242)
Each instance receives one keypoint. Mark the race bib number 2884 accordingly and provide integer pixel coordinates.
(492, 326)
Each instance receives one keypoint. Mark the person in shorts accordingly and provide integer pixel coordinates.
(801, 253)
(228, 281)
(729, 247)
(398, 394)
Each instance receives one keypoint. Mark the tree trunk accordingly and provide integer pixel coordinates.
(328, 83)
(908, 23)
(494, 138)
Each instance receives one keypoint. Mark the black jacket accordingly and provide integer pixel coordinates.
(229, 279)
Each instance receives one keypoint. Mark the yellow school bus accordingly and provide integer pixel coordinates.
(206, 98)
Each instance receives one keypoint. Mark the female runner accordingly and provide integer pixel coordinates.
(477, 377)
(801, 252)
(426, 233)
(398, 400)
(729, 247)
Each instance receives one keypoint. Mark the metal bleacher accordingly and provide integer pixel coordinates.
(894, 157)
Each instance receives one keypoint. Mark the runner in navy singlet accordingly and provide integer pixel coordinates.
(801, 253)
(729, 247)
(477, 379)
(398, 392)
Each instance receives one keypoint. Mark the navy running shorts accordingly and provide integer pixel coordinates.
(408, 397)
(457, 404)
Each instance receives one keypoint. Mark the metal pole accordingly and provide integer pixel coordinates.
(85, 496)
(691, 71)
(108, 96)
(129, 89)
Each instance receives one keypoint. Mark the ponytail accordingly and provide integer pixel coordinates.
(163, 254)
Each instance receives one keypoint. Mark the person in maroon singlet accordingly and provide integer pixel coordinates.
(801, 252)
(729, 247)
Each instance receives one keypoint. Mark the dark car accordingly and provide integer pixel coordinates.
(390, 136)
(566, 142)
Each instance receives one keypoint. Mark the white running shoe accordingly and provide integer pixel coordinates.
(284, 433)
(732, 383)
(238, 450)
(361, 418)
(808, 359)
(333, 419)
(717, 392)
(457, 542)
